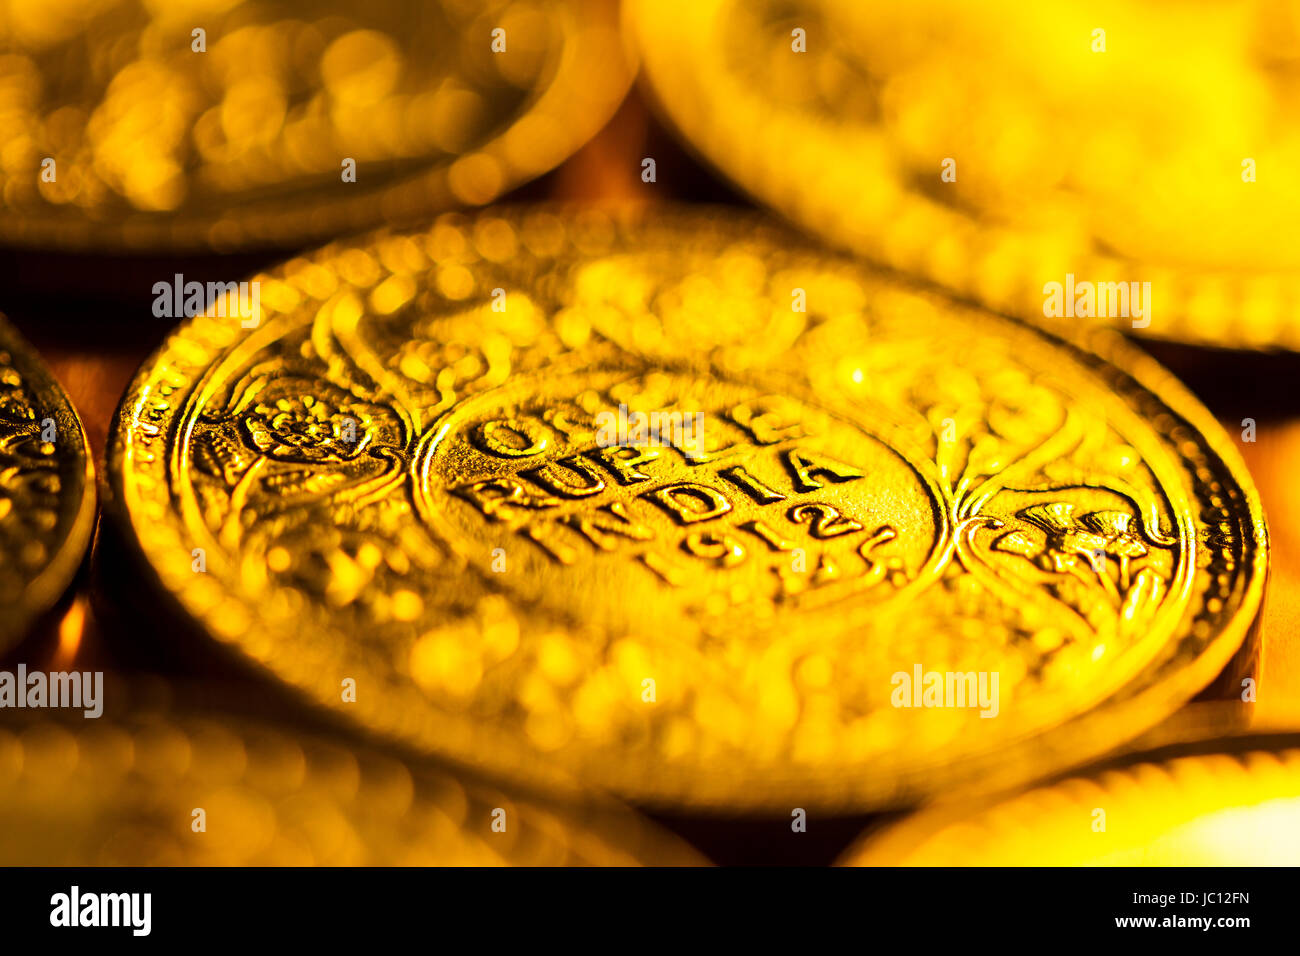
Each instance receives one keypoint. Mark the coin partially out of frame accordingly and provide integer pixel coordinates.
(1035, 159)
(683, 508)
(135, 127)
(1226, 802)
(177, 790)
(47, 488)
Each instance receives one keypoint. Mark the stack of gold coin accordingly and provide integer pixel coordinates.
(519, 521)
(1232, 802)
(680, 507)
(140, 126)
(176, 790)
(1124, 161)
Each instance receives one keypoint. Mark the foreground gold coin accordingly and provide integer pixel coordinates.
(133, 125)
(171, 790)
(999, 148)
(677, 506)
(1235, 802)
(47, 488)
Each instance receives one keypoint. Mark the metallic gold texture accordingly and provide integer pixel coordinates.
(185, 790)
(399, 480)
(994, 148)
(1234, 802)
(47, 488)
(140, 126)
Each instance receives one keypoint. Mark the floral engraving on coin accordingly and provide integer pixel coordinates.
(886, 480)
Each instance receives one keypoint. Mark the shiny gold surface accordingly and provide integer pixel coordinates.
(126, 130)
(47, 488)
(395, 482)
(1237, 805)
(996, 147)
(772, 687)
(1273, 461)
(178, 790)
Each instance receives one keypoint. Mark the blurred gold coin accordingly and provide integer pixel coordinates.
(1234, 802)
(676, 505)
(141, 125)
(171, 790)
(1132, 154)
(47, 488)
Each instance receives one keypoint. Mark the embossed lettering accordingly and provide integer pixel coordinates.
(670, 573)
(772, 538)
(622, 462)
(765, 428)
(747, 483)
(551, 476)
(493, 495)
(723, 549)
(511, 438)
(827, 571)
(803, 467)
(688, 502)
(826, 521)
(542, 534)
(600, 533)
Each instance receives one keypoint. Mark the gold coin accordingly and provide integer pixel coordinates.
(135, 126)
(1231, 802)
(997, 149)
(176, 790)
(674, 505)
(47, 488)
